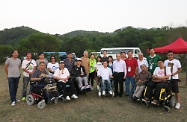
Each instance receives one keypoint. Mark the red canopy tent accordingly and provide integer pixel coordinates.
(178, 46)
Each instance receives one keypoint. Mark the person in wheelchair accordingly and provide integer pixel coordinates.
(80, 75)
(142, 79)
(63, 76)
(105, 74)
(160, 75)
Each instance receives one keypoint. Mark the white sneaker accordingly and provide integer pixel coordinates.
(68, 98)
(110, 92)
(99, 94)
(178, 105)
(98, 87)
(82, 88)
(13, 103)
(103, 93)
(74, 96)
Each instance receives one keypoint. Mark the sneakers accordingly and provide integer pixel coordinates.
(68, 98)
(103, 93)
(82, 88)
(110, 92)
(99, 94)
(88, 87)
(23, 98)
(13, 103)
(178, 105)
(74, 96)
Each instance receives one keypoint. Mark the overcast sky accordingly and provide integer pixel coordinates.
(62, 16)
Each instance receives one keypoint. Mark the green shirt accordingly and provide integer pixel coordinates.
(152, 62)
(92, 65)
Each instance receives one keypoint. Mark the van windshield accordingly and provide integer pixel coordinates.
(114, 51)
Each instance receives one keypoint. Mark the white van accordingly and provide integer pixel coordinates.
(112, 51)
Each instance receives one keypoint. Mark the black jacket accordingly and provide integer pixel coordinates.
(77, 71)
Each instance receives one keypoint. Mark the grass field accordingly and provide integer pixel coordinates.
(88, 108)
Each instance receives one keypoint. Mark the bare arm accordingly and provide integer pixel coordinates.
(6, 69)
(35, 79)
(178, 71)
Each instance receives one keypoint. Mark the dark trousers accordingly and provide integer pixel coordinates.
(152, 85)
(91, 77)
(118, 79)
(13, 86)
(68, 88)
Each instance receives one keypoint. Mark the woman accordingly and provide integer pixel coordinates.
(98, 66)
(92, 69)
(52, 66)
(110, 62)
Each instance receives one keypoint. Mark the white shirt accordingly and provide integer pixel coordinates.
(105, 73)
(62, 73)
(144, 61)
(119, 66)
(161, 72)
(176, 65)
(98, 65)
(53, 67)
(29, 65)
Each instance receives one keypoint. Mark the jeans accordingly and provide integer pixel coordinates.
(81, 79)
(13, 86)
(25, 84)
(130, 79)
(106, 83)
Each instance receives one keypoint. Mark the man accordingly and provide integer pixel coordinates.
(141, 61)
(119, 68)
(69, 62)
(86, 62)
(104, 58)
(12, 70)
(132, 67)
(123, 55)
(175, 70)
(152, 60)
(63, 76)
(80, 74)
(52, 66)
(160, 75)
(105, 73)
(41, 59)
(39, 73)
(142, 80)
(28, 66)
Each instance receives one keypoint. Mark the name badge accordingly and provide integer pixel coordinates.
(129, 69)
(151, 66)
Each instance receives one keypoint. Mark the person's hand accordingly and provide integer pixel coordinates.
(139, 80)
(173, 74)
(124, 77)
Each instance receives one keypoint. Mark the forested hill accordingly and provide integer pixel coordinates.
(14, 35)
(27, 39)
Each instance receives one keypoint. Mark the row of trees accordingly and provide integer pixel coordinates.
(78, 41)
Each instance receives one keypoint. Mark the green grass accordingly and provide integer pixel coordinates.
(88, 108)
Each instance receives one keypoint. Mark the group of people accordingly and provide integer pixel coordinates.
(134, 72)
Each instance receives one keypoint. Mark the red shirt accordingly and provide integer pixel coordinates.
(131, 66)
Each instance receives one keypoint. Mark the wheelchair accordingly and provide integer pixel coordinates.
(166, 98)
(107, 94)
(42, 92)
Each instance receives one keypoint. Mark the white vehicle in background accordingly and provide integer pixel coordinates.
(96, 53)
(112, 51)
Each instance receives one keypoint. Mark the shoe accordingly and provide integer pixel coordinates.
(74, 96)
(110, 92)
(103, 93)
(13, 103)
(88, 87)
(98, 87)
(23, 98)
(178, 105)
(99, 94)
(154, 102)
(145, 100)
(82, 88)
(68, 98)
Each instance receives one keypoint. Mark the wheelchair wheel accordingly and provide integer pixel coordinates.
(166, 108)
(41, 104)
(30, 99)
(172, 101)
